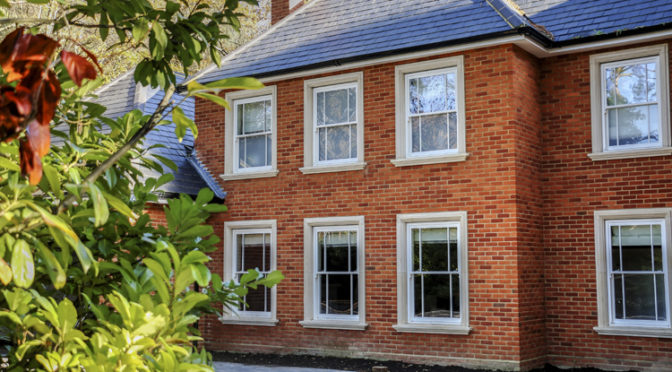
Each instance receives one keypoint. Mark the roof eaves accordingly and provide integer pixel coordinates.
(612, 35)
(202, 171)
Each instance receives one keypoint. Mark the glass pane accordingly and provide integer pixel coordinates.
(319, 115)
(651, 81)
(657, 248)
(435, 249)
(338, 142)
(255, 151)
(254, 251)
(653, 123)
(269, 150)
(256, 299)
(337, 251)
(415, 134)
(639, 297)
(434, 132)
(455, 283)
(415, 240)
(615, 249)
(454, 259)
(353, 141)
(339, 294)
(660, 294)
(268, 115)
(629, 84)
(612, 121)
(239, 119)
(254, 117)
(437, 296)
(452, 130)
(239, 252)
(323, 294)
(352, 102)
(267, 253)
(417, 295)
(353, 251)
(413, 98)
(636, 247)
(336, 106)
(633, 125)
(320, 251)
(432, 93)
(321, 148)
(450, 92)
(618, 296)
(355, 295)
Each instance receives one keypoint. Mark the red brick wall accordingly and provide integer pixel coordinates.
(574, 187)
(505, 256)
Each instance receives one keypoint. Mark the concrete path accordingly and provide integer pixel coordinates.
(237, 367)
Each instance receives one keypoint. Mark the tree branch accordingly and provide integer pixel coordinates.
(148, 126)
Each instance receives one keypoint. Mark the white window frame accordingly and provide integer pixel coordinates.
(311, 164)
(312, 317)
(406, 322)
(607, 324)
(231, 169)
(231, 230)
(600, 135)
(404, 155)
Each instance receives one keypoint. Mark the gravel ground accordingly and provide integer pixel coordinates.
(358, 365)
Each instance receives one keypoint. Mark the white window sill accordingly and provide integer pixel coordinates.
(451, 158)
(334, 324)
(634, 331)
(267, 322)
(448, 329)
(333, 168)
(248, 175)
(630, 154)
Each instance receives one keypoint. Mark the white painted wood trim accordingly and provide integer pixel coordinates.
(333, 168)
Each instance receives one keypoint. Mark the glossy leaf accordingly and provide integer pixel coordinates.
(78, 67)
(5, 272)
(22, 264)
(182, 123)
(100, 209)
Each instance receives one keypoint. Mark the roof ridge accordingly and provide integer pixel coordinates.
(271, 29)
(508, 9)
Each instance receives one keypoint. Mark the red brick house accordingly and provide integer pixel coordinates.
(482, 183)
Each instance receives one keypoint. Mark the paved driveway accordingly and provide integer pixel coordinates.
(237, 367)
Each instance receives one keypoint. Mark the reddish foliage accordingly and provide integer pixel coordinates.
(32, 102)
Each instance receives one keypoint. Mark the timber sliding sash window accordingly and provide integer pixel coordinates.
(632, 256)
(432, 277)
(251, 245)
(251, 134)
(630, 103)
(334, 124)
(334, 275)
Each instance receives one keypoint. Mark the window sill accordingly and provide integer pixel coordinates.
(630, 154)
(245, 176)
(448, 329)
(334, 324)
(267, 322)
(634, 331)
(452, 158)
(333, 168)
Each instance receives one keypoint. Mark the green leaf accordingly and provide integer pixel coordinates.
(214, 98)
(182, 123)
(38, 1)
(100, 210)
(5, 272)
(6, 163)
(119, 205)
(160, 34)
(228, 83)
(51, 175)
(201, 273)
(23, 265)
(67, 314)
(205, 195)
(272, 279)
(54, 268)
(140, 30)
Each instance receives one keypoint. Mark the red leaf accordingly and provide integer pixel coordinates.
(48, 99)
(78, 67)
(31, 164)
(39, 138)
(7, 49)
(19, 52)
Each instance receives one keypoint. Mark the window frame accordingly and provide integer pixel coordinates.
(231, 148)
(607, 324)
(404, 155)
(312, 317)
(231, 230)
(311, 163)
(406, 321)
(601, 150)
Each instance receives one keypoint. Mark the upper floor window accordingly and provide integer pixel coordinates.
(430, 112)
(250, 133)
(334, 125)
(630, 103)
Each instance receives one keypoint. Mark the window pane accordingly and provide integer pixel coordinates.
(660, 294)
(253, 151)
(338, 142)
(337, 251)
(353, 251)
(435, 249)
(319, 115)
(618, 296)
(257, 298)
(355, 294)
(636, 247)
(322, 144)
(254, 117)
(417, 295)
(352, 102)
(323, 294)
(320, 251)
(254, 250)
(432, 93)
(413, 98)
(269, 150)
(353, 141)
(267, 253)
(437, 296)
(415, 134)
(657, 248)
(633, 125)
(629, 84)
(451, 92)
(434, 132)
(239, 253)
(268, 115)
(615, 248)
(651, 81)
(415, 240)
(452, 130)
(455, 283)
(339, 294)
(454, 265)
(336, 106)
(639, 297)
(239, 116)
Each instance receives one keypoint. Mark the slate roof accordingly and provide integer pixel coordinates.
(332, 32)
(120, 97)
